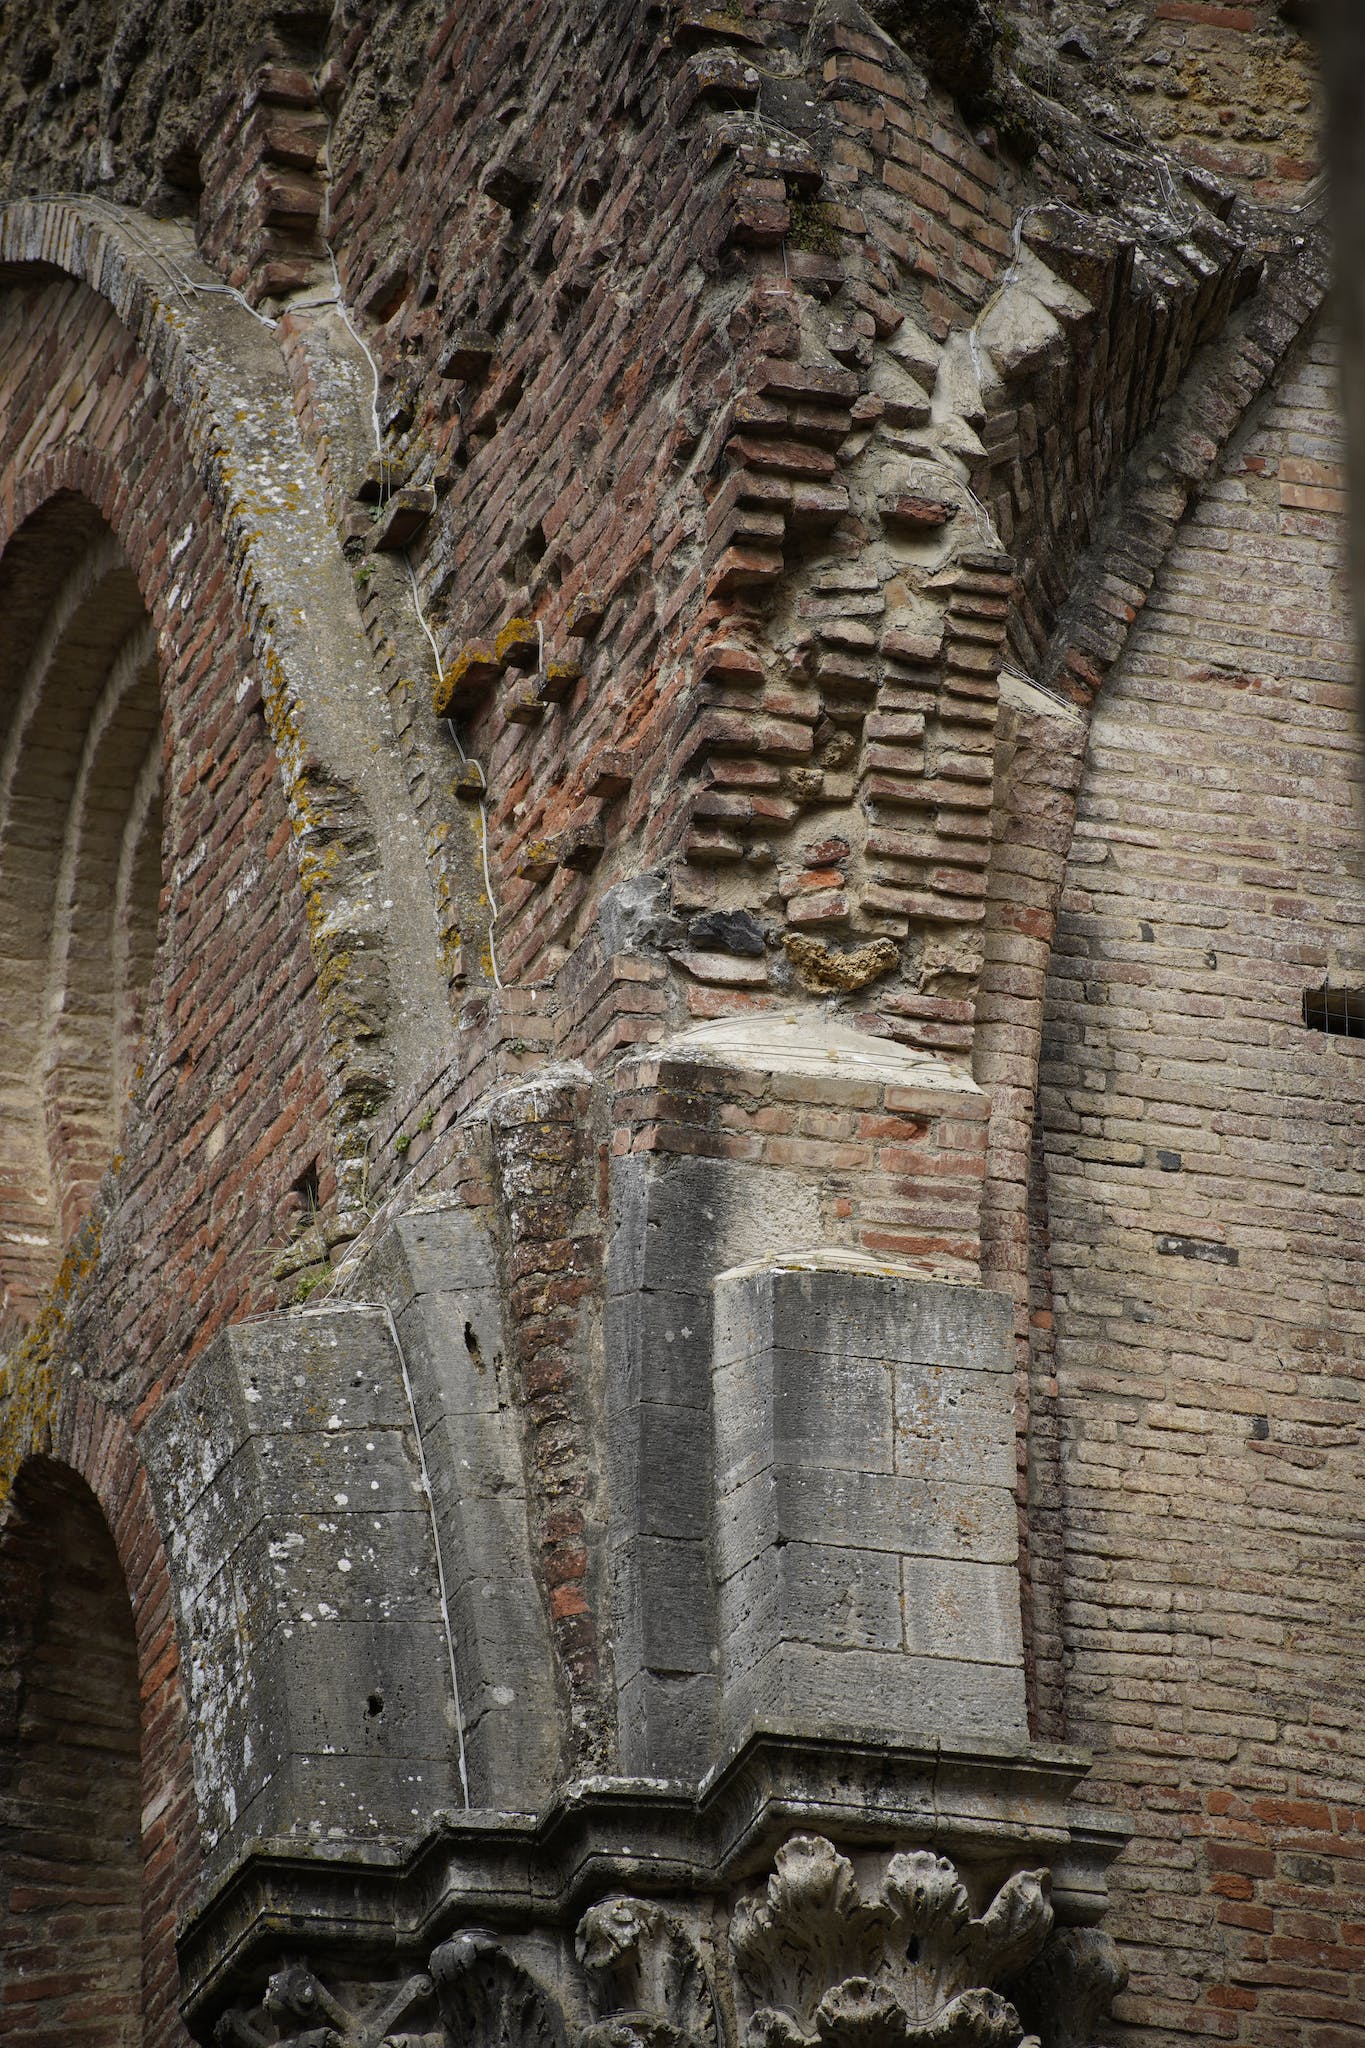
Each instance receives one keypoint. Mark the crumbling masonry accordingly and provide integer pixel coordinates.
(683, 996)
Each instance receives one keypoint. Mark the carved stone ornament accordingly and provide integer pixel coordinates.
(300, 2011)
(1071, 1986)
(645, 1979)
(826, 1961)
(488, 2000)
(907, 1963)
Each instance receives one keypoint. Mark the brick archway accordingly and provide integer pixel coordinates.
(80, 873)
(98, 1827)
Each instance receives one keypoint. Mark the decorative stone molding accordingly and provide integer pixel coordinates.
(645, 1978)
(300, 2011)
(825, 1960)
(488, 2000)
(828, 1954)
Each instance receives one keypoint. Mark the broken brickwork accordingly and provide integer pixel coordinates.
(695, 1189)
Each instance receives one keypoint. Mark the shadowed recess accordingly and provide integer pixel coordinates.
(70, 1796)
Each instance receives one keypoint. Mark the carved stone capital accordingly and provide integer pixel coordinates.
(828, 1959)
(488, 2000)
(1066, 1992)
(645, 1977)
(880, 1949)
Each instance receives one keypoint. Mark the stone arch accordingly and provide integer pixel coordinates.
(80, 872)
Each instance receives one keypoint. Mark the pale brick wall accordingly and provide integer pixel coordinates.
(1203, 1152)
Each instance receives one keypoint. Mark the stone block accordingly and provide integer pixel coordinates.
(875, 1315)
(674, 1474)
(847, 1461)
(912, 1517)
(677, 1632)
(667, 1725)
(963, 1610)
(659, 1348)
(840, 1597)
(832, 1409)
(437, 1270)
(954, 1426)
(882, 1695)
(307, 1580)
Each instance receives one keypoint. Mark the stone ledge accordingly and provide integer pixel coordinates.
(982, 1804)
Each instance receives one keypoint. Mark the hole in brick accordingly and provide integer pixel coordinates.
(308, 1188)
(181, 168)
(1340, 1012)
(388, 296)
(302, 32)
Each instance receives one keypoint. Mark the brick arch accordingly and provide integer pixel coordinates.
(234, 1041)
(80, 871)
(215, 403)
(100, 1834)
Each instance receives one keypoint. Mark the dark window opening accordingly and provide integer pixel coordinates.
(1338, 1011)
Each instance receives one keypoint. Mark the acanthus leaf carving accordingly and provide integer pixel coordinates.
(645, 1977)
(488, 2000)
(810, 1932)
(887, 1954)
(862, 2014)
(904, 1964)
(1013, 1929)
(1071, 1985)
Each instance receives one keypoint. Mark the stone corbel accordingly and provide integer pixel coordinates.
(882, 1952)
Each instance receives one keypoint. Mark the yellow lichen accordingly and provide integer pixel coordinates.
(29, 1384)
(825, 973)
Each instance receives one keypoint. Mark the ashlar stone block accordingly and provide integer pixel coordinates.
(865, 1545)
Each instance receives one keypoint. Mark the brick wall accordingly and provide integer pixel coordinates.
(703, 437)
(1203, 1203)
